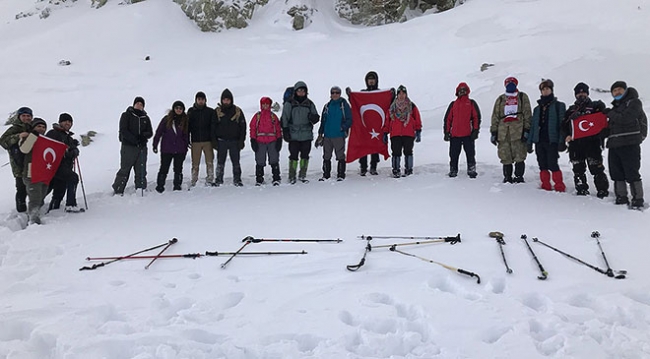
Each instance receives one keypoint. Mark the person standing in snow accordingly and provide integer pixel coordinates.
(65, 180)
(10, 139)
(266, 141)
(461, 127)
(509, 130)
(201, 118)
(135, 131)
(299, 116)
(35, 191)
(173, 135)
(228, 137)
(545, 134)
(628, 127)
(404, 127)
(587, 151)
(334, 127)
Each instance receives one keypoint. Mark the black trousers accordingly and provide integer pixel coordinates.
(65, 181)
(299, 148)
(547, 156)
(225, 147)
(455, 146)
(402, 143)
(374, 159)
(166, 160)
(625, 163)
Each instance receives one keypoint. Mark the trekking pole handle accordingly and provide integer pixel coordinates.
(251, 239)
(453, 240)
(471, 274)
(595, 234)
(93, 267)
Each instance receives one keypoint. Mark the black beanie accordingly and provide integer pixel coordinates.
(581, 87)
(65, 117)
(546, 83)
(402, 88)
(199, 95)
(178, 103)
(138, 99)
(38, 121)
(227, 94)
(620, 84)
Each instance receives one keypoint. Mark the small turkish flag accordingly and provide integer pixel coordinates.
(588, 125)
(369, 115)
(46, 158)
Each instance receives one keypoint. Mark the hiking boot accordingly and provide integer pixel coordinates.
(621, 200)
(601, 193)
(471, 171)
(74, 209)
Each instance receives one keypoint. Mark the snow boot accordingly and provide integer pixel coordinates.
(55, 203)
(327, 170)
(636, 188)
(396, 166)
(545, 178)
(236, 176)
(302, 174)
(259, 175)
(218, 178)
(602, 185)
(507, 173)
(558, 181)
(178, 180)
(275, 170)
(453, 172)
(293, 166)
(580, 181)
(408, 165)
(471, 171)
(520, 168)
(340, 170)
(74, 209)
(620, 190)
(160, 182)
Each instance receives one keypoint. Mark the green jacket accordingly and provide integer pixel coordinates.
(511, 131)
(9, 141)
(295, 117)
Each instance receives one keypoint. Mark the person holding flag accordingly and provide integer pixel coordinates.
(404, 127)
(581, 128)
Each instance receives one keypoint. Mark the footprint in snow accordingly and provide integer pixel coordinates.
(496, 285)
(447, 285)
(373, 299)
(347, 318)
(493, 334)
(193, 276)
(231, 300)
(536, 302)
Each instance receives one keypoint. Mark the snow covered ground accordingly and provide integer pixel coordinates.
(310, 306)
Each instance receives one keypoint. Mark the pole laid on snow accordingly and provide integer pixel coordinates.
(355, 267)
(224, 264)
(454, 269)
(259, 240)
(498, 236)
(98, 265)
(449, 238)
(609, 271)
(174, 240)
(197, 255)
(541, 268)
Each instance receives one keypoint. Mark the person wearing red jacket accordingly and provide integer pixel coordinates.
(461, 127)
(266, 141)
(404, 127)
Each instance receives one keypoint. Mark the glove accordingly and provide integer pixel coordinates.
(524, 136)
(606, 110)
(319, 141)
(561, 147)
(278, 144)
(347, 91)
(313, 118)
(447, 137)
(73, 152)
(155, 150)
(286, 134)
(75, 143)
(254, 145)
(418, 135)
(529, 148)
(493, 138)
(392, 92)
(474, 134)
(385, 138)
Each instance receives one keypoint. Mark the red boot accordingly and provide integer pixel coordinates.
(557, 179)
(545, 177)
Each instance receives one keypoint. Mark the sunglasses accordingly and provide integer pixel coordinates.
(178, 108)
(335, 92)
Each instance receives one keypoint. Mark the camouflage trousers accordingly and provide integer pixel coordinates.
(511, 151)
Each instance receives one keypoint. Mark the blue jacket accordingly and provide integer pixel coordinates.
(336, 119)
(556, 112)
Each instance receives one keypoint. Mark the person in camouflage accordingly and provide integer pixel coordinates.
(20, 129)
(511, 118)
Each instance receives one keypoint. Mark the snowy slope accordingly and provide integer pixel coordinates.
(310, 306)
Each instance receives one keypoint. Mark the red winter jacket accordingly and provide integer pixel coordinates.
(396, 128)
(462, 116)
(265, 126)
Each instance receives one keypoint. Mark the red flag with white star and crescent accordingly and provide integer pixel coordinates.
(588, 125)
(370, 111)
(46, 158)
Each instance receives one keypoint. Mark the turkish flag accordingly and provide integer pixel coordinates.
(588, 125)
(46, 158)
(369, 115)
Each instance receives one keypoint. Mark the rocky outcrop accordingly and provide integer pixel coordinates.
(380, 12)
(214, 15)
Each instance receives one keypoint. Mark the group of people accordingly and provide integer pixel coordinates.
(19, 141)
(516, 129)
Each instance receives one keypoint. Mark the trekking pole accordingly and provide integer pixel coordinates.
(449, 239)
(618, 274)
(541, 268)
(142, 170)
(499, 238)
(174, 240)
(224, 264)
(197, 255)
(81, 180)
(5, 165)
(355, 267)
(258, 240)
(95, 266)
(461, 271)
(609, 271)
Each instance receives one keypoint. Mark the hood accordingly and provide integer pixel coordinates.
(630, 94)
(461, 86)
(300, 84)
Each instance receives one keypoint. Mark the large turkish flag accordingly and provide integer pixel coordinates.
(588, 125)
(369, 115)
(46, 158)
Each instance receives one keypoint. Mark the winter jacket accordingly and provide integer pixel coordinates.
(555, 114)
(135, 127)
(295, 117)
(229, 125)
(201, 119)
(395, 127)
(504, 127)
(336, 119)
(628, 124)
(10, 142)
(172, 139)
(265, 127)
(60, 134)
(462, 116)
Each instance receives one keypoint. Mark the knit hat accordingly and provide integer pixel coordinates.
(402, 88)
(581, 87)
(24, 111)
(335, 89)
(371, 75)
(510, 79)
(178, 103)
(138, 99)
(620, 84)
(266, 100)
(199, 95)
(226, 94)
(38, 121)
(546, 83)
(65, 117)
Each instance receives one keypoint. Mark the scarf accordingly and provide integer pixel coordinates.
(401, 110)
(511, 106)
